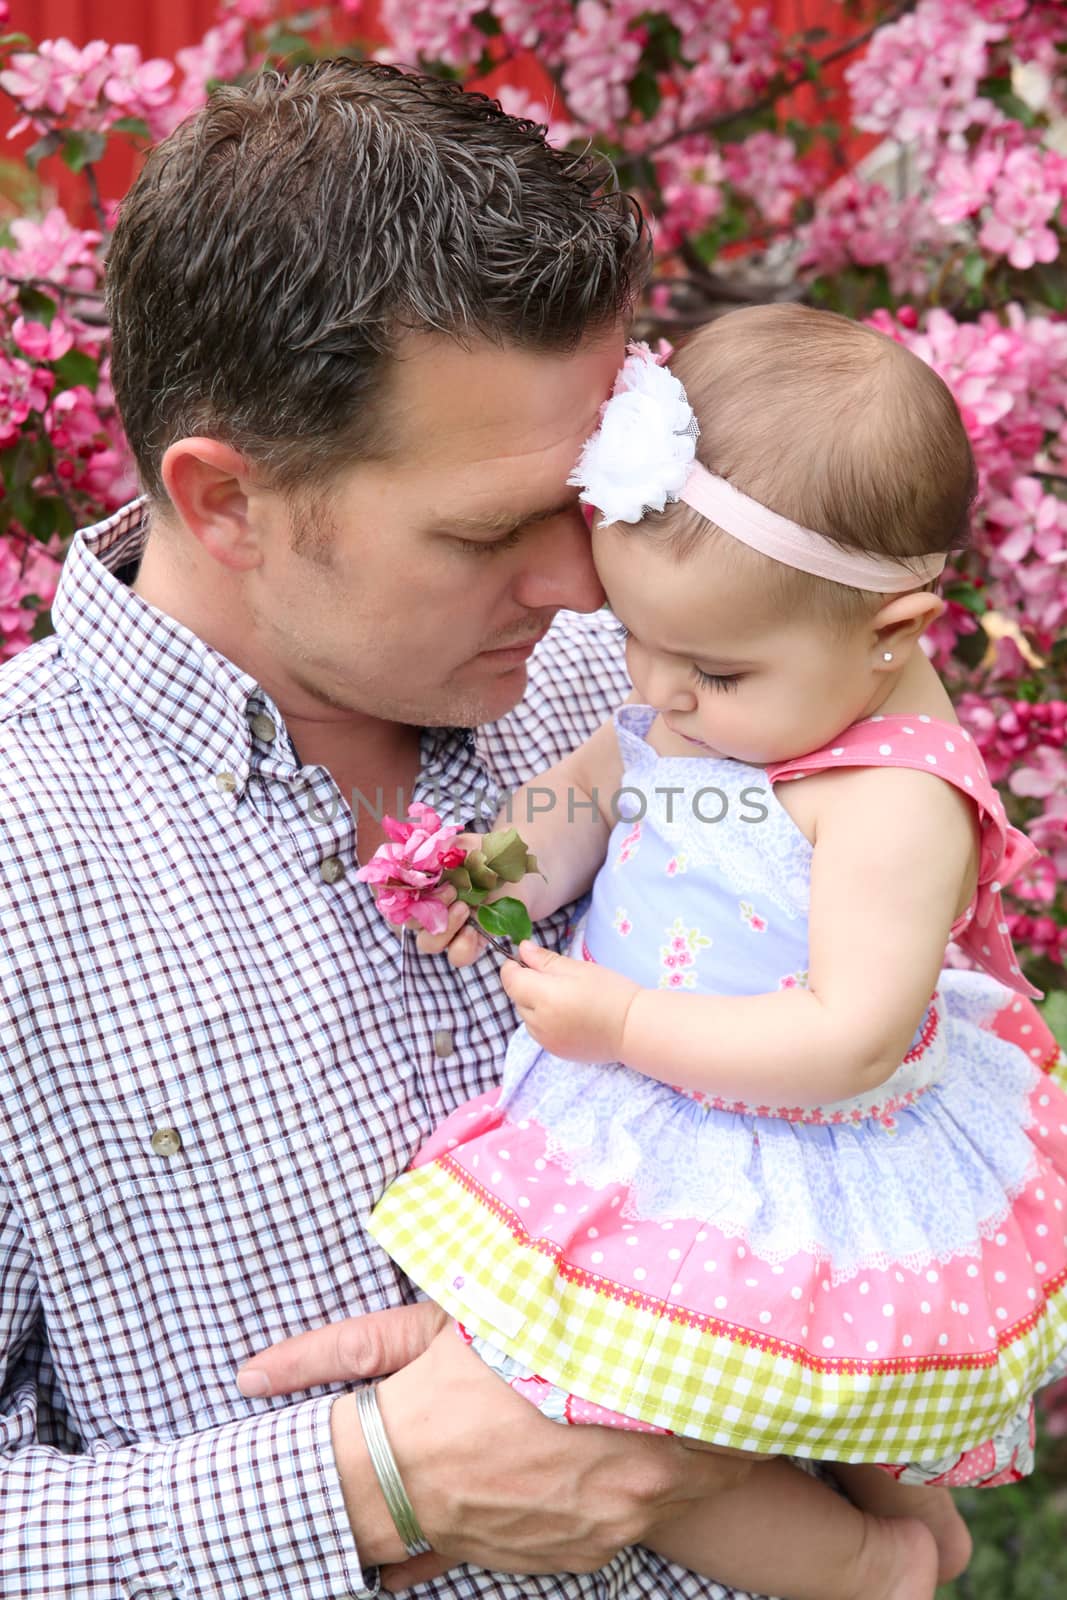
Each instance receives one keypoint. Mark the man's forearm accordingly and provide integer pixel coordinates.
(243, 1511)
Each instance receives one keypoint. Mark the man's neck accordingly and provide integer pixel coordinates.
(362, 753)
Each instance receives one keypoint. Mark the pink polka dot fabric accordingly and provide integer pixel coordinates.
(928, 744)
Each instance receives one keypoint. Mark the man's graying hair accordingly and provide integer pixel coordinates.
(276, 246)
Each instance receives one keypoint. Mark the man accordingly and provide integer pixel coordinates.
(362, 324)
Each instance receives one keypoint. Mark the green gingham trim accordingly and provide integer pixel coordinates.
(724, 1386)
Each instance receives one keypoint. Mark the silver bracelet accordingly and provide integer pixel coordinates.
(387, 1472)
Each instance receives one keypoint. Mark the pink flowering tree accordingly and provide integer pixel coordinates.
(742, 141)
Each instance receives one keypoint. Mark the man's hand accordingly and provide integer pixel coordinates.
(461, 938)
(492, 1482)
(572, 1008)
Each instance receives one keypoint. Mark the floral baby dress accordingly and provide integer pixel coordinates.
(883, 1279)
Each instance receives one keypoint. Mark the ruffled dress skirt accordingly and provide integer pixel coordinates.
(881, 1280)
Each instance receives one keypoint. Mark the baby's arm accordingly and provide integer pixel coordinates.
(565, 817)
(890, 860)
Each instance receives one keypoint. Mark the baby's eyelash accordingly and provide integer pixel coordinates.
(711, 680)
(706, 680)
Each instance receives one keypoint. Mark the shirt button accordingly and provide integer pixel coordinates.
(166, 1141)
(331, 869)
(226, 782)
(442, 1042)
(263, 727)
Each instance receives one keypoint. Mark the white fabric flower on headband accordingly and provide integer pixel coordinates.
(640, 456)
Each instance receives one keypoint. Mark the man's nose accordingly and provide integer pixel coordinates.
(559, 572)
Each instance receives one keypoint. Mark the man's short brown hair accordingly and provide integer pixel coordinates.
(275, 247)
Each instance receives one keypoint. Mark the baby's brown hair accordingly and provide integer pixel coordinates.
(835, 426)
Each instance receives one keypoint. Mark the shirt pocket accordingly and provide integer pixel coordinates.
(188, 1206)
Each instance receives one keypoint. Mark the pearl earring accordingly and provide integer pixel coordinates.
(888, 655)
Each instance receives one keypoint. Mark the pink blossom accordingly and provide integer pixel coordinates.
(58, 79)
(22, 389)
(764, 168)
(918, 80)
(600, 56)
(27, 568)
(859, 223)
(1037, 522)
(941, 637)
(540, 25)
(1045, 775)
(408, 869)
(139, 88)
(1026, 197)
(109, 477)
(40, 342)
(220, 55)
(52, 249)
(519, 103)
(261, 11)
(962, 183)
(433, 30)
(1039, 882)
(73, 419)
(691, 175)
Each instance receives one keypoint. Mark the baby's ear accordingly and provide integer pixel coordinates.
(902, 621)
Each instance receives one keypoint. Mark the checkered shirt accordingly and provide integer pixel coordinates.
(215, 1056)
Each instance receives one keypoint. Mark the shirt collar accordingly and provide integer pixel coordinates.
(193, 698)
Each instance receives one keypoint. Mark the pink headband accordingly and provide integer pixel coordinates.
(642, 458)
(764, 530)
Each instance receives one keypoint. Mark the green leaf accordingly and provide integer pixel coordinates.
(81, 148)
(1051, 281)
(76, 367)
(970, 648)
(1054, 1013)
(1000, 91)
(507, 919)
(486, 23)
(506, 854)
(965, 594)
(663, 47)
(135, 125)
(36, 307)
(45, 146)
(644, 92)
(974, 269)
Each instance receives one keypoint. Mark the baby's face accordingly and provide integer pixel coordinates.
(719, 666)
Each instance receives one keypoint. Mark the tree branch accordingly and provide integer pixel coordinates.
(786, 86)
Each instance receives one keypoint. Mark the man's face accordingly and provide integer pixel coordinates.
(438, 570)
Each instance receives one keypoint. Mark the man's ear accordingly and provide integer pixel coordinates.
(209, 485)
(898, 625)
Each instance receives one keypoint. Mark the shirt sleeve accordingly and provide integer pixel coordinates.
(245, 1511)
